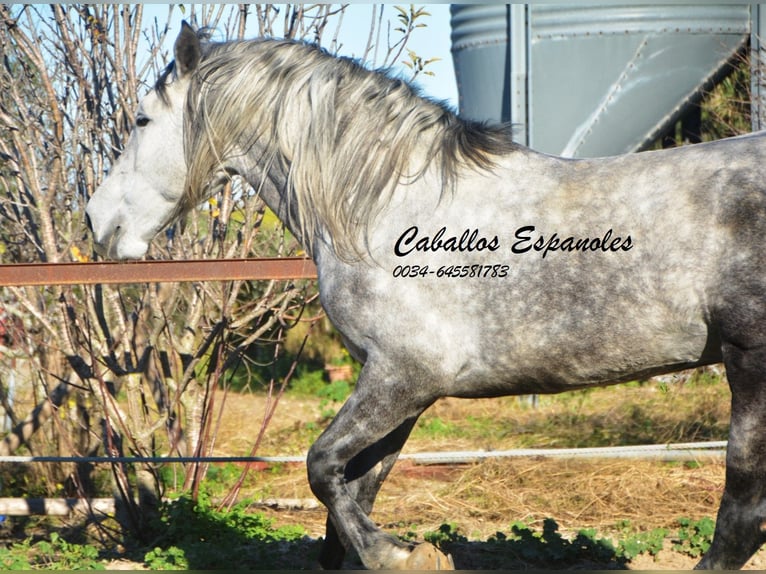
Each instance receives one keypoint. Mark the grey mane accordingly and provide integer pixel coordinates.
(345, 135)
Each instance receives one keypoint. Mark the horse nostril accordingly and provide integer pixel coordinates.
(88, 223)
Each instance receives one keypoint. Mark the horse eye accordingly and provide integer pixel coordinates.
(141, 121)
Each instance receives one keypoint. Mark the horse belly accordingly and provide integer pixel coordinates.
(587, 357)
(546, 336)
(482, 338)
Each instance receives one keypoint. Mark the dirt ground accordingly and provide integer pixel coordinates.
(612, 496)
(484, 498)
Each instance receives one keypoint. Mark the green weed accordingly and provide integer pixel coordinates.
(199, 536)
(435, 427)
(650, 542)
(332, 394)
(16, 557)
(446, 533)
(53, 554)
(308, 382)
(171, 558)
(694, 536)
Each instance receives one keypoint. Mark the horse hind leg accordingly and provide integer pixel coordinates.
(348, 464)
(741, 524)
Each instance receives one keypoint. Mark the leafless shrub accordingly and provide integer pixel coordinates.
(132, 369)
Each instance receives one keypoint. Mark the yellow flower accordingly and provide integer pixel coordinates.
(214, 211)
(78, 255)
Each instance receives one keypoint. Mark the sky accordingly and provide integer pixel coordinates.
(430, 42)
(433, 41)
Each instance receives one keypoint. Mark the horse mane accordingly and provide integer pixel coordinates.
(345, 135)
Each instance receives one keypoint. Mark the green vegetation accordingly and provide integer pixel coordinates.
(333, 396)
(187, 535)
(53, 554)
(694, 537)
(524, 546)
(198, 536)
(635, 543)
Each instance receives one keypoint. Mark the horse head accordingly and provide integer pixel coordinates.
(146, 183)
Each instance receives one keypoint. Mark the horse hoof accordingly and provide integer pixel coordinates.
(428, 557)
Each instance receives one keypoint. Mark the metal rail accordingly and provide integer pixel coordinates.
(68, 506)
(281, 268)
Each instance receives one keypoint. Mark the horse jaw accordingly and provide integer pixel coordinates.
(121, 227)
(126, 212)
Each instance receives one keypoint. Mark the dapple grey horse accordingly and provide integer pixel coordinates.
(457, 263)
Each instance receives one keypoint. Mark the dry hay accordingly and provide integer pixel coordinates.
(615, 497)
(488, 496)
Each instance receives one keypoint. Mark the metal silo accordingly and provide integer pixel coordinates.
(589, 80)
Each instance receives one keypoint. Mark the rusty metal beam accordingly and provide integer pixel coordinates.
(157, 271)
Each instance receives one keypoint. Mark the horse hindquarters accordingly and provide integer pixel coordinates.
(741, 524)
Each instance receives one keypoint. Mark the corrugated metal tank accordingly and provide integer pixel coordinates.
(590, 80)
(758, 66)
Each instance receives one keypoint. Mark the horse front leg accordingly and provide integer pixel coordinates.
(365, 474)
(741, 525)
(349, 462)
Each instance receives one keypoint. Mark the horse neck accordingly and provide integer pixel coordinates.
(271, 184)
(320, 177)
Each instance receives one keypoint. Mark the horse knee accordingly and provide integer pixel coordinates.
(321, 471)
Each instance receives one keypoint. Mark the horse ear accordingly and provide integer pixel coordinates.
(187, 50)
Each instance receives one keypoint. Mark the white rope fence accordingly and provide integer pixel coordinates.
(66, 506)
(667, 452)
(672, 451)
